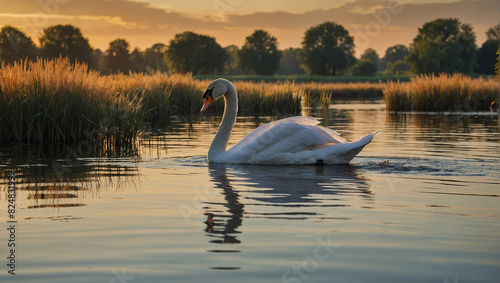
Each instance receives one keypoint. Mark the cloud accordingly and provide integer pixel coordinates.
(373, 23)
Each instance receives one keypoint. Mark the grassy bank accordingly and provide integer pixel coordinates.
(455, 92)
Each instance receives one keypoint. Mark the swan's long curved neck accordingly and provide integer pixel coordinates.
(221, 139)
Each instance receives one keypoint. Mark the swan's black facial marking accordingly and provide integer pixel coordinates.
(208, 97)
(208, 92)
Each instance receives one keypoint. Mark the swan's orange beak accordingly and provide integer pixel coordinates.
(208, 100)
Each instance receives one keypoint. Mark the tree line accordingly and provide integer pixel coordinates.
(442, 45)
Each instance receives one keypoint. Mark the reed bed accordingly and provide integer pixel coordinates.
(55, 101)
(268, 98)
(444, 92)
(162, 96)
(343, 90)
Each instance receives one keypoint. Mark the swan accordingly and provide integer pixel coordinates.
(295, 140)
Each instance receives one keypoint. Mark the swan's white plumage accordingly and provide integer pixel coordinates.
(328, 135)
(295, 140)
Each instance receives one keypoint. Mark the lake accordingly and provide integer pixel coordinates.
(419, 204)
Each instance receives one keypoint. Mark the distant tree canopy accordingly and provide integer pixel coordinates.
(395, 53)
(138, 64)
(15, 46)
(117, 58)
(371, 55)
(290, 63)
(364, 67)
(493, 32)
(65, 41)
(155, 58)
(443, 45)
(198, 54)
(96, 59)
(260, 54)
(327, 49)
(399, 67)
(487, 57)
(487, 54)
(232, 60)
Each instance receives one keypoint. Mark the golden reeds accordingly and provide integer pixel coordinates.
(53, 100)
(445, 92)
(344, 90)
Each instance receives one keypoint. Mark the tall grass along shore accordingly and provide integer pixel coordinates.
(444, 92)
(55, 101)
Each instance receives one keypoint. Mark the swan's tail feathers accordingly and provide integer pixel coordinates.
(367, 139)
(349, 150)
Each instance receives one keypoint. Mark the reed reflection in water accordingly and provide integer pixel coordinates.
(60, 176)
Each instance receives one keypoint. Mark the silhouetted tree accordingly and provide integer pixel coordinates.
(395, 53)
(95, 59)
(155, 58)
(138, 62)
(15, 45)
(65, 41)
(371, 54)
(290, 63)
(197, 54)
(231, 67)
(443, 45)
(259, 54)
(364, 67)
(327, 49)
(493, 32)
(117, 58)
(487, 54)
(399, 67)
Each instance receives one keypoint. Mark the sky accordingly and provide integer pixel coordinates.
(376, 24)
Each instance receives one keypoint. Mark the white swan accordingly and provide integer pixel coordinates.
(295, 140)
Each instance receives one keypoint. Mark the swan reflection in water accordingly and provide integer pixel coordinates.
(224, 229)
(278, 186)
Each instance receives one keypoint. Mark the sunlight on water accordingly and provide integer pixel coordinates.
(421, 203)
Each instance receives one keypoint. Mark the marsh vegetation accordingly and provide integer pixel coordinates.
(56, 101)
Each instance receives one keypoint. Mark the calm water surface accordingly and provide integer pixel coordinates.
(419, 204)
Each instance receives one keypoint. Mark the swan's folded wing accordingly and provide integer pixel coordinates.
(284, 137)
(301, 120)
(329, 136)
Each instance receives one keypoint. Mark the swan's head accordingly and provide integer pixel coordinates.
(214, 90)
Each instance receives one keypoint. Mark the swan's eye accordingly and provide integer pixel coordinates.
(208, 92)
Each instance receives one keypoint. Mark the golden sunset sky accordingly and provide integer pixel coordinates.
(378, 24)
